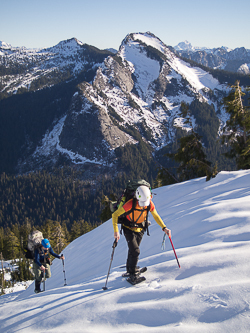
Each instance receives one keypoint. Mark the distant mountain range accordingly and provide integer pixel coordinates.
(237, 60)
(79, 105)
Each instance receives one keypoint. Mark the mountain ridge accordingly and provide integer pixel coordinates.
(234, 60)
(135, 95)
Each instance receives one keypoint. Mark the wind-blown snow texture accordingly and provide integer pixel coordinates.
(210, 223)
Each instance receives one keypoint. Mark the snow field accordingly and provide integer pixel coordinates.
(210, 293)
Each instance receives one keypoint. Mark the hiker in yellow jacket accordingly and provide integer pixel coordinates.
(135, 214)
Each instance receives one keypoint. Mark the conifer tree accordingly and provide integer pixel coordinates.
(237, 130)
(58, 237)
(12, 244)
(75, 231)
(192, 159)
(106, 213)
(164, 177)
(65, 232)
(1, 239)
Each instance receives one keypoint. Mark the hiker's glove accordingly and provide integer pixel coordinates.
(49, 261)
(167, 231)
(42, 268)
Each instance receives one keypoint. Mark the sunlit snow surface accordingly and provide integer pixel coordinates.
(210, 223)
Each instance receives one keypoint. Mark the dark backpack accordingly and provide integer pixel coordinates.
(128, 194)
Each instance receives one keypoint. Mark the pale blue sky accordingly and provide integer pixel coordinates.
(105, 23)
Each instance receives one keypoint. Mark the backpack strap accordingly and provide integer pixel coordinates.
(40, 251)
(131, 224)
(147, 224)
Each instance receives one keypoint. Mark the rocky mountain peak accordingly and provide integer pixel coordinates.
(72, 45)
(136, 95)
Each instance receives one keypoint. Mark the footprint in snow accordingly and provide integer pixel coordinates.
(155, 284)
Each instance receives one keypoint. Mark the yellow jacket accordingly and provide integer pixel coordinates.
(126, 207)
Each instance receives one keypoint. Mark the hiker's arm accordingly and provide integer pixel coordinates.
(53, 253)
(37, 258)
(115, 216)
(159, 221)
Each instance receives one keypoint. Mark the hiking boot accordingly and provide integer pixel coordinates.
(37, 287)
(137, 271)
(133, 271)
(134, 277)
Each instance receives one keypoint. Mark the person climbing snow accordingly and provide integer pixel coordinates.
(134, 224)
(42, 262)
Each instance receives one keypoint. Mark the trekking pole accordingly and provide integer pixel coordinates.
(43, 280)
(112, 255)
(163, 248)
(64, 272)
(174, 252)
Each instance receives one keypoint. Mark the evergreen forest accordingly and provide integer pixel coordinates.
(64, 198)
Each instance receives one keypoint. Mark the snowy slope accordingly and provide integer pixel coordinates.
(210, 223)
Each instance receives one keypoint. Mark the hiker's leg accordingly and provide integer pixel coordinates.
(47, 271)
(37, 286)
(133, 240)
(139, 236)
(38, 273)
(38, 277)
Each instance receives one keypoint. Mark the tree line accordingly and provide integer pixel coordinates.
(42, 195)
(63, 200)
(75, 206)
(13, 240)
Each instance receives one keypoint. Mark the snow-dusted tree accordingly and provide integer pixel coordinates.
(237, 130)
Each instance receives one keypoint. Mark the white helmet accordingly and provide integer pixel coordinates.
(143, 195)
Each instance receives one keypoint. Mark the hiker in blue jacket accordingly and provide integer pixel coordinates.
(42, 262)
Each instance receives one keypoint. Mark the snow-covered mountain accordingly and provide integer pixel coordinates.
(140, 90)
(187, 46)
(237, 60)
(143, 86)
(209, 293)
(32, 69)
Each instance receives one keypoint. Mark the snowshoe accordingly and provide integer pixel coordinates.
(135, 279)
(138, 272)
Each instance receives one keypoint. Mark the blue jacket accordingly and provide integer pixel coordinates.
(40, 254)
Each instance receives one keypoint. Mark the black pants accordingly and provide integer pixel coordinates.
(134, 240)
